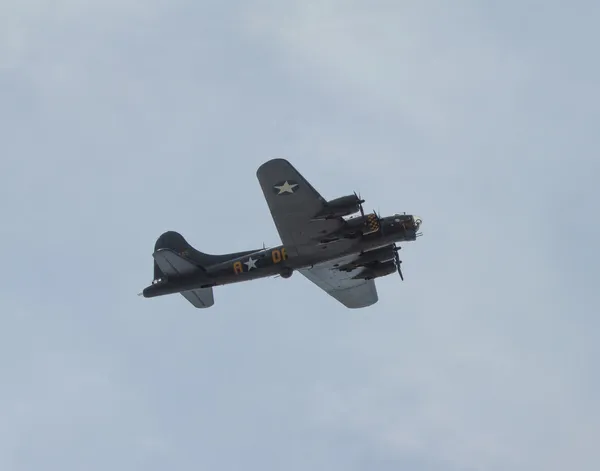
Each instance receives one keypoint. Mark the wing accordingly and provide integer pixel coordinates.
(353, 294)
(293, 203)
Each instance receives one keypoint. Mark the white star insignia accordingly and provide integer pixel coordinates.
(251, 263)
(286, 188)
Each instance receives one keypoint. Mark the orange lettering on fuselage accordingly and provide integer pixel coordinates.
(237, 268)
(278, 255)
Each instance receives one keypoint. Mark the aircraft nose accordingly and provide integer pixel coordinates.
(418, 221)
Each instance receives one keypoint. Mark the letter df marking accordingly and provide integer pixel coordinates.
(278, 255)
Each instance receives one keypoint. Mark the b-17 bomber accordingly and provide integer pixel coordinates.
(332, 243)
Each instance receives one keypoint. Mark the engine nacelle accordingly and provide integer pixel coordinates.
(382, 254)
(381, 269)
(362, 224)
(339, 207)
(355, 227)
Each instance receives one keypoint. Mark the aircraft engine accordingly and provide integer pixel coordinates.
(382, 254)
(339, 207)
(362, 224)
(355, 227)
(381, 269)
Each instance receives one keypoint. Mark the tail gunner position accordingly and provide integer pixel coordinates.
(340, 254)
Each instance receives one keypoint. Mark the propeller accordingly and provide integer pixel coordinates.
(378, 221)
(360, 202)
(398, 261)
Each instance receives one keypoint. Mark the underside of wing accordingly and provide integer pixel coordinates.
(294, 203)
(340, 285)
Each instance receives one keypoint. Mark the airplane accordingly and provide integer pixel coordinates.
(328, 242)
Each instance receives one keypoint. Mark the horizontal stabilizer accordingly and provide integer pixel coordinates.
(171, 263)
(200, 298)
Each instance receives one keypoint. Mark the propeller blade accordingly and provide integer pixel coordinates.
(398, 261)
(379, 222)
(360, 202)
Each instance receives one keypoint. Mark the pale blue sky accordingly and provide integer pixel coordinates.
(123, 119)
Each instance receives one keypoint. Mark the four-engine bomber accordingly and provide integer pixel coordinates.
(340, 254)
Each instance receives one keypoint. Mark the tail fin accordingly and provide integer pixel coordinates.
(174, 241)
(170, 240)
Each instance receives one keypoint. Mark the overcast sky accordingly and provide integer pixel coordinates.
(121, 119)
